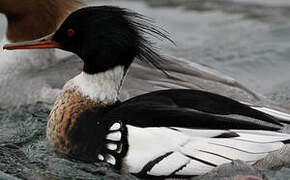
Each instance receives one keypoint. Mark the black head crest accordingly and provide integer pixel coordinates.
(107, 36)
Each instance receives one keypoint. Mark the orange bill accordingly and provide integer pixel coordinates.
(42, 43)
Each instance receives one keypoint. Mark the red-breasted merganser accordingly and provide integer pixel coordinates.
(25, 76)
(29, 77)
(167, 133)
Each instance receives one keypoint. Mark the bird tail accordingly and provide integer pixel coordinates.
(281, 116)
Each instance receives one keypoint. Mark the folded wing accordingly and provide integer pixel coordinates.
(181, 152)
(191, 109)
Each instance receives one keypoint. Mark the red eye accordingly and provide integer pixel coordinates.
(70, 32)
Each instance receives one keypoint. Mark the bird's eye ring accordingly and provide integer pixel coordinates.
(70, 32)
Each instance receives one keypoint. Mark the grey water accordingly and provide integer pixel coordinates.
(246, 39)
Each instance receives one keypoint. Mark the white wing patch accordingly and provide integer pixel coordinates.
(261, 132)
(115, 136)
(188, 152)
(116, 126)
(250, 147)
(219, 154)
(262, 138)
(169, 164)
(194, 167)
(201, 132)
(145, 146)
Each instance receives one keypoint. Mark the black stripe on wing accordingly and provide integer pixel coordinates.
(210, 103)
(151, 164)
(145, 172)
(172, 108)
(180, 117)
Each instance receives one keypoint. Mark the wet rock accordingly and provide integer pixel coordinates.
(14, 162)
(236, 170)
(7, 177)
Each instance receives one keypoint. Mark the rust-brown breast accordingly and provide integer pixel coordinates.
(67, 108)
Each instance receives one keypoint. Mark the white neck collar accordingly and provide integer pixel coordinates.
(102, 87)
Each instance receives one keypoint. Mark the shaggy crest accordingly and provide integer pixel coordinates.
(123, 29)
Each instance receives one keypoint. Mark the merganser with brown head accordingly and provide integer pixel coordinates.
(25, 75)
(168, 133)
(41, 16)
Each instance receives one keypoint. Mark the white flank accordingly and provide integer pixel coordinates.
(24, 76)
(193, 152)
(144, 147)
(194, 167)
(169, 164)
(102, 87)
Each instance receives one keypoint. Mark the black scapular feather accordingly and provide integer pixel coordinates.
(190, 109)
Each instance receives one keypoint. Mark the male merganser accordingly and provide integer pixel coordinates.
(25, 76)
(29, 77)
(19, 72)
(167, 133)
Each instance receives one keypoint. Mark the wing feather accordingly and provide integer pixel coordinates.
(194, 167)
(162, 151)
(191, 108)
(201, 132)
(282, 116)
(261, 132)
(261, 138)
(202, 101)
(226, 152)
(170, 164)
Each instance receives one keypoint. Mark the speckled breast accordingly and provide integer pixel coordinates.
(68, 107)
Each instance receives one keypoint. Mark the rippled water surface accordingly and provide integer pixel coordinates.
(246, 39)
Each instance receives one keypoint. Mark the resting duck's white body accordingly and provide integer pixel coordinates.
(24, 75)
(19, 79)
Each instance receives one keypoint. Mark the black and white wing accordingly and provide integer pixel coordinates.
(192, 109)
(281, 116)
(180, 133)
(180, 152)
